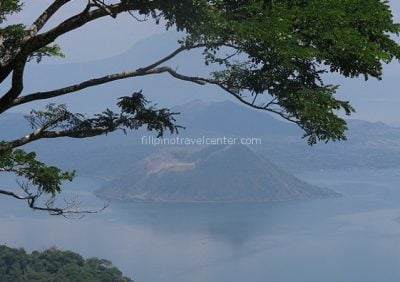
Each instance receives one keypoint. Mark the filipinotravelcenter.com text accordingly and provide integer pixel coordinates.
(204, 140)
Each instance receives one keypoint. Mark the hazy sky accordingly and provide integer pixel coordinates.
(375, 101)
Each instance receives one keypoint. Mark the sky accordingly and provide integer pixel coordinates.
(374, 100)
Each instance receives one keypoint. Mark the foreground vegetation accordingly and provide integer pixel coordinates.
(54, 265)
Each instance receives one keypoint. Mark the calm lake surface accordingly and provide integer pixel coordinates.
(352, 238)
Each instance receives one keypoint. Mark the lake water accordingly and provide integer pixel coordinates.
(352, 238)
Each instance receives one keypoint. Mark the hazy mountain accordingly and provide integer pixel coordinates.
(369, 145)
(231, 118)
(232, 173)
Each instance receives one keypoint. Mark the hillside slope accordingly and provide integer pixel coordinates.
(232, 173)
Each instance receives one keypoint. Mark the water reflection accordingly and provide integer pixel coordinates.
(352, 238)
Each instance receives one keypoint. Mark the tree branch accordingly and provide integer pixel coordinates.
(40, 134)
(221, 84)
(81, 86)
(75, 22)
(45, 16)
(41, 40)
(150, 69)
(17, 85)
(101, 5)
(254, 106)
(99, 81)
(36, 26)
(170, 56)
(71, 207)
(14, 195)
(142, 72)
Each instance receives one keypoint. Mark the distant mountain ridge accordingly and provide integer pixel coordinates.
(233, 173)
(369, 145)
(228, 117)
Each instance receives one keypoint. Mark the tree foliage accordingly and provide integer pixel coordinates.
(54, 265)
(279, 53)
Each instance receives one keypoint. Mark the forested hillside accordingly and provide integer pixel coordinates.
(16, 265)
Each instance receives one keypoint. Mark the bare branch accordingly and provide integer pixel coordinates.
(250, 104)
(170, 56)
(44, 17)
(72, 207)
(255, 98)
(229, 56)
(272, 102)
(150, 69)
(75, 22)
(101, 5)
(221, 84)
(14, 195)
(17, 85)
(145, 18)
(79, 86)
(41, 134)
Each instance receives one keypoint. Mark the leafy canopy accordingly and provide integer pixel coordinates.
(54, 265)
